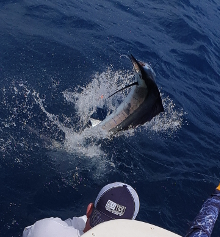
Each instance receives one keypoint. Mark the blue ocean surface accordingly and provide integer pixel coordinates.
(59, 60)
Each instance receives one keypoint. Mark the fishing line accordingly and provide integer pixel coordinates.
(167, 166)
(156, 63)
(121, 55)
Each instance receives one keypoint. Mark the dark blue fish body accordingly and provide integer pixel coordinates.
(140, 106)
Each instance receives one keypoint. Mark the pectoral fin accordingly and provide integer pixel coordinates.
(132, 84)
(95, 122)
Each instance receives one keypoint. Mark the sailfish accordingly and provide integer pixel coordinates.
(141, 104)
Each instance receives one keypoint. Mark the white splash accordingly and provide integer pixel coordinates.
(87, 99)
(88, 142)
(82, 145)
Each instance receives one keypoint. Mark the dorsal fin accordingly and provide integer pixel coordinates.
(135, 83)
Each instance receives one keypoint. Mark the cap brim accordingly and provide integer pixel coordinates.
(98, 217)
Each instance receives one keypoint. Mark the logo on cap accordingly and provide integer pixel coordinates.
(115, 208)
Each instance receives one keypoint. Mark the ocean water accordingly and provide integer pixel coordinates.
(59, 60)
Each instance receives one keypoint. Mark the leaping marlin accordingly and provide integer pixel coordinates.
(140, 106)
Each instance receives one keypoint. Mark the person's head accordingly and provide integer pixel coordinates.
(114, 201)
